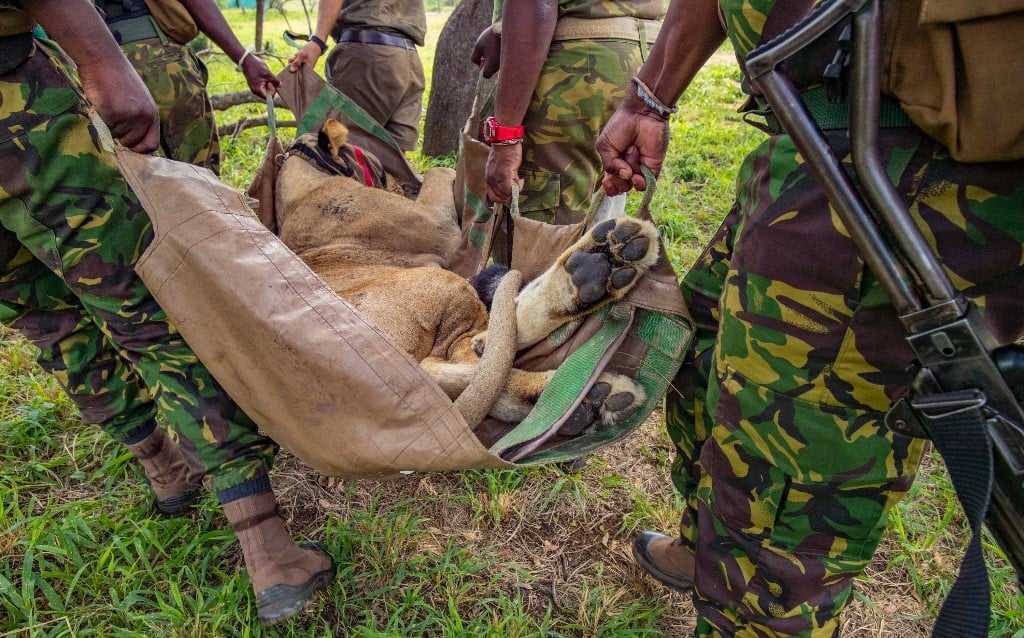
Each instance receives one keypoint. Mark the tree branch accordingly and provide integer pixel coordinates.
(231, 130)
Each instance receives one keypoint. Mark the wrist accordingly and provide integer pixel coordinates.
(507, 149)
(319, 42)
(635, 105)
(250, 52)
(497, 134)
(644, 94)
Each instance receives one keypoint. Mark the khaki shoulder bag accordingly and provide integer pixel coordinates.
(174, 19)
(955, 67)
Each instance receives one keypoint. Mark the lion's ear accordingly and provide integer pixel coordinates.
(336, 134)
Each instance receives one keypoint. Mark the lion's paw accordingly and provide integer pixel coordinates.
(611, 400)
(609, 259)
(479, 343)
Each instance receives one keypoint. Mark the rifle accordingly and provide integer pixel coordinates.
(967, 392)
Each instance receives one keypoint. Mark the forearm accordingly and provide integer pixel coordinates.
(211, 22)
(326, 15)
(109, 82)
(527, 28)
(690, 33)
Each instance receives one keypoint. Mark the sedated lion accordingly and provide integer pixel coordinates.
(386, 255)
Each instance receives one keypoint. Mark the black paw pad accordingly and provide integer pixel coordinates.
(590, 273)
(626, 230)
(635, 249)
(581, 419)
(619, 402)
(601, 231)
(623, 277)
(599, 391)
(588, 413)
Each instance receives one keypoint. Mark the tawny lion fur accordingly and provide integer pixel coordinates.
(386, 255)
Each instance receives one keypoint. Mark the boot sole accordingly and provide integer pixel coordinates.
(646, 562)
(281, 602)
(178, 504)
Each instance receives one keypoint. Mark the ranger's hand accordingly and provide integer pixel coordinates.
(258, 75)
(123, 103)
(487, 52)
(308, 54)
(631, 139)
(501, 170)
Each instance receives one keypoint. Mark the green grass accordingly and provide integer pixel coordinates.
(502, 553)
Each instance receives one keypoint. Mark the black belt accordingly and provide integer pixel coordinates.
(133, 29)
(367, 36)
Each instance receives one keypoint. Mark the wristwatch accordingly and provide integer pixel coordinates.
(494, 133)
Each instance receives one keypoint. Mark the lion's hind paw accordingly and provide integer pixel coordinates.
(610, 401)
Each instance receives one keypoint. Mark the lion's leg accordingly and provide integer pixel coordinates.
(611, 400)
(602, 266)
(514, 403)
(437, 195)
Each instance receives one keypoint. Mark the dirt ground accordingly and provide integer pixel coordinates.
(562, 547)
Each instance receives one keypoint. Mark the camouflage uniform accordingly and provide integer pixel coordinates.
(177, 79)
(70, 234)
(787, 469)
(581, 84)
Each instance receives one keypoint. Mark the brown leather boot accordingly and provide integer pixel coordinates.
(667, 559)
(170, 475)
(284, 575)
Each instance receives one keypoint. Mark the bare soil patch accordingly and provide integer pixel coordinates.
(570, 545)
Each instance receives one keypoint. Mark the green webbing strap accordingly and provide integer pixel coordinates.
(293, 39)
(271, 116)
(667, 338)
(331, 98)
(644, 211)
(569, 384)
(830, 115)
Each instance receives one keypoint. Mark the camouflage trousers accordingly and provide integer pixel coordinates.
(71, 232)
(787, 470)
(581, 84)
(177, 80)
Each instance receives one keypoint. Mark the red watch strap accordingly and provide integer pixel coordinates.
(493, 131)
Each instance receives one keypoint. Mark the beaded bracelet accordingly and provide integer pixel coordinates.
(645, 93)
(249, 50)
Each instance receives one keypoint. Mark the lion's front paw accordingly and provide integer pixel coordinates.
(602, 266)
(609, 259)
(611, 400)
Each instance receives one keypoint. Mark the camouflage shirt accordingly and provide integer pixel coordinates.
(745, 19)
(643, 9)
